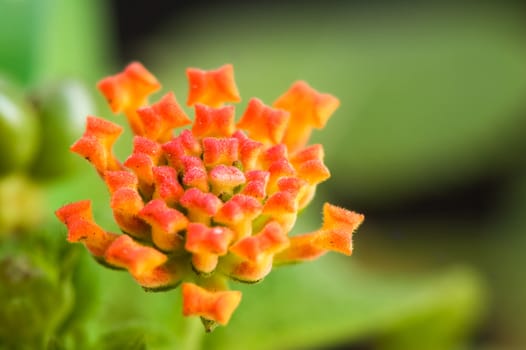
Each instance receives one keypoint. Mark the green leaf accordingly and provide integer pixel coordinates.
(328, 302)
(46, 39)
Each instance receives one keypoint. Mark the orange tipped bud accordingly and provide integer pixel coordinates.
(146, 155)
(239, 208)
(138, 259)
(293, 185)
(256, 186)
(273, 154)
(219, 151)
(126, 204)
(185, 144)
(339, 218)
(271, 240)
(212, 88)
(201, 206)
(215, 122)
(160, 278)
(120, 179)
(215, 306)
(338, 227)
(143, 145)
(249, 151)
(78, 219)
(96, 145)
(247, 271)
(77, 210)
(203, 239)
(194, 173)
(238, 213)
(160, 119)
(312, 152)
(166, 224)
(264, 123)
(207, 244)
(283, 207)
(278, 169)
(167, 185)
(301, 248)
(171, 112)
(308, 109)
(313, 171)
(225, 178)
(128, 89)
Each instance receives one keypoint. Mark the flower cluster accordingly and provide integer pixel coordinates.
(215, 202)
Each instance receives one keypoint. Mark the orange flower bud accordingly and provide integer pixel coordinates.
(277, 170)
(215, 306)
(120, 179)
(194, 173)
(271, 240)
(249, 151)
(247, 271)
(207, 244)
(126, 204)
(219, 151)
(96, 145)
(216, 122)
(301, 248)
(264, 123)
(141, 261)
(167, 185)
(160, 119)
(225, 178)
(308, 109)
(201, 206)
(338, 226)
(256, 186)
(81, 228)
(77, 210)
(339, 218)
(166, 224)
(128, 90)
(273, 154)
(238, 213)
(283, 207)
(212, 88)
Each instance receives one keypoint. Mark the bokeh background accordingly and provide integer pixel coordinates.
(428, 143)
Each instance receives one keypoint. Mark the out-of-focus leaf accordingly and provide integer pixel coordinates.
(327, 302)
(62, 109)
(17, 50)
(19, 132)
(124, 339)
(426, 96)
(46, 39)
(34, 300)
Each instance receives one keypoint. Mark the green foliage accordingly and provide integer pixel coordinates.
(62, 111)
(18, 129)
(43, 40)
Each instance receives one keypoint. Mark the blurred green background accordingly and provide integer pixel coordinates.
(428, 143)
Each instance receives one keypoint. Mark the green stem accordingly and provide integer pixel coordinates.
(192, 334)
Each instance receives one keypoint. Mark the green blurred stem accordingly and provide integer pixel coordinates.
(192, 335)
